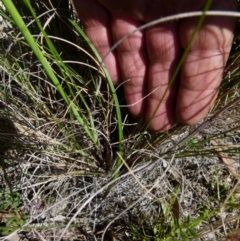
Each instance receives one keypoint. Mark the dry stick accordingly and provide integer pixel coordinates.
(172, 18)
(207, 122)
(190, 136)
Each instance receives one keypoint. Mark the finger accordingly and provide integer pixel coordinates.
(163, 51)
(132, 62)
(96, 22)
(203, 68)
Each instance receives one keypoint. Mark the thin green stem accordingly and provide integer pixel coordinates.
(114, 96)
(33, 45)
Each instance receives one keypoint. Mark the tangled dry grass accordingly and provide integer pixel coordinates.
(56, 184)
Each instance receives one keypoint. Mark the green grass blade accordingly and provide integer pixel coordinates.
(113, 93)
(186, 51)
(32, 43)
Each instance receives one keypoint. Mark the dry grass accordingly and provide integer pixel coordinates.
(55, 183)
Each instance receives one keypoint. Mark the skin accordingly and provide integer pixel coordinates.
(146, 60)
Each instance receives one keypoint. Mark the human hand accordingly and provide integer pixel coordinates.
(147, 59)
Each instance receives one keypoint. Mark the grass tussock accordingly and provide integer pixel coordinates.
(76, 166)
